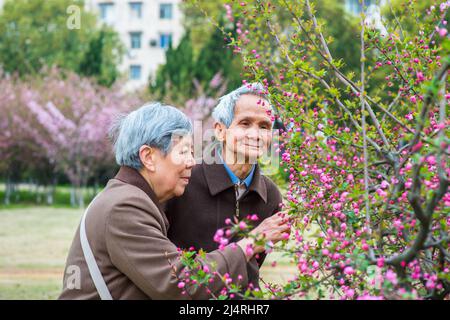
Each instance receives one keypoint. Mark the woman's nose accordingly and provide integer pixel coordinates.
(190, 162)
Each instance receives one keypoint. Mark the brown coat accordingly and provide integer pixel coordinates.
(127, 232)
(209, 199)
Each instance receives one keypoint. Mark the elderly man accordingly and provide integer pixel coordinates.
(121, 249)
(233, 186)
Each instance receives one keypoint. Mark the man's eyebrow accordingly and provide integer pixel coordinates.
(250, 118)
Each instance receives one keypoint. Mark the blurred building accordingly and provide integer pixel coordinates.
(372, 11)
(355, 6)
(146, 27)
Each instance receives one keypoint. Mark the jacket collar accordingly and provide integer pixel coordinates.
(247, 181)
(218, 180)
(132, 176)
(234, 179)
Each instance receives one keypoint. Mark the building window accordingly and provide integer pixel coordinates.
(135, 72)
(165, 11)
(106, 11)
(136, 10)
(165, 40)
(135, 38)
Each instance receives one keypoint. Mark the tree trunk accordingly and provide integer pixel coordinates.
(95, 188)
(15, 188)
(38, 193)
(51, 192)
(49, 195)
(7, 200)
(72, 196)
(80, 196)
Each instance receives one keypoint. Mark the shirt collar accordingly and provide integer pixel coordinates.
(236, 180)
(233, 177)
(218, 180)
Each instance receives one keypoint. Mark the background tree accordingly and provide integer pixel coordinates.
(174, 79)
(103, 57)
(57, 126)
(201, 54)
(215, 57)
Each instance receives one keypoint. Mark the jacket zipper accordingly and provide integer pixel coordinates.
(236, 192)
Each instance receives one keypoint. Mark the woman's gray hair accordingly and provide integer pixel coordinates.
(153, 124)
(224, 111)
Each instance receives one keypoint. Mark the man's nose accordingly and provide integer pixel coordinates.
(253, 133)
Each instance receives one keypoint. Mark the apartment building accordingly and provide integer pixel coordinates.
(146, 27)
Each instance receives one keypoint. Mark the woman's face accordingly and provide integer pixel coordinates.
(173, 171)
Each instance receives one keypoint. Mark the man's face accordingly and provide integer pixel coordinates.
(249, 135)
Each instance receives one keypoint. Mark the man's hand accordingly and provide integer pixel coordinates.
(274, 229)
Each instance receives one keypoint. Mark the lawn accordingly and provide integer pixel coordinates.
(26, 195)
(33, 246)
(34, 242)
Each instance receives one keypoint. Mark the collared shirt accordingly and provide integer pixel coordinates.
(244, 184)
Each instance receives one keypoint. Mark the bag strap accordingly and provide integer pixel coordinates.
(94, 271)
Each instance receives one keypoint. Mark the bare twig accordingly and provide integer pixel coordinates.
(363, 125)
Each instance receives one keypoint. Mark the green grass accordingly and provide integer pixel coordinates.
(26, 197)
(28, 289)
(34, 243)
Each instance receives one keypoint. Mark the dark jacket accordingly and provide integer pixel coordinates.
(209, 199)
(127, 232)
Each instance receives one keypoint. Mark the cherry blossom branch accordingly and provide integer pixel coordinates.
(363, 125)
(328, 58)
(424, 215)
(323, 82)
(440, 75)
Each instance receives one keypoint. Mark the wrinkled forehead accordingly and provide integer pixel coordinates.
(252, 105)
(182, 137)
(252, 99)
(181, 140)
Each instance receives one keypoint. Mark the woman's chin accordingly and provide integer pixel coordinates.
(179, 190)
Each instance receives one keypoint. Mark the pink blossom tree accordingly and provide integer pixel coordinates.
(7, 98)
(64, 118)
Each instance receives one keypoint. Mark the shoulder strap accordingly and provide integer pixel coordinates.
(94, 271)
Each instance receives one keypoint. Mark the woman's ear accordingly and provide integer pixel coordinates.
(147, 156)
(220, 131)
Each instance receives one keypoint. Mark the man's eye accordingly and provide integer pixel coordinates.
(245, 123)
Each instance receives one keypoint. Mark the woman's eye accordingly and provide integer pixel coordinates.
(187, 151)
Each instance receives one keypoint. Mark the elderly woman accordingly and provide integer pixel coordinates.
(121, 249)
